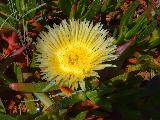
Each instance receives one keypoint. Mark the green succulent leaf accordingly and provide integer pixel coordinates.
(6, 117)
(93, 9)
(81, 8)
(97, 99)
(18, 72)
(29, 102)
(4, 23)
(2, 108)
(80, 116)
(108, 6)
(32, 87)
(65, 6)
(146, 32)
(75, 98)
(119, 3)
(133, 31)
(128, 14)
(4, 9)
(155, 39)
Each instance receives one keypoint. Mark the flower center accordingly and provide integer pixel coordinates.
(75, 60)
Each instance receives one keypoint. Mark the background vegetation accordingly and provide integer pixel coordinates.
(128, 92)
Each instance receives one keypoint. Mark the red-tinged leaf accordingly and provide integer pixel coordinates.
(126, 45)
(124, 7)
(19, 51)
(132, 60)
(6, 52)
(32, 34)
(156, 3)
(31, 87)
(12, 41)
(35, 24)
(89, 103)
(91, 117)
(158, 59)
(11, 105)
(1, 57)
(100, 118)
(21, 60)
(11, 58)
(67, 91)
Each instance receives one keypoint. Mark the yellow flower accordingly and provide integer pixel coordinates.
(72, 51)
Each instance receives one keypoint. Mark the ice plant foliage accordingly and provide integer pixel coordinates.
(72, 51)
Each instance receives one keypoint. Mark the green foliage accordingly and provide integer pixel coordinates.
(145, 32)
(129, 113)
(18, 72)
(142, 21)
(119, 3)
(6, 117)
(75, 98)
(4, 9)
(35, 87)
(108, 6)
(26, 8)
(98, 99)
(125, 21)
(16, 12)
(52, 3)
(155, 38)
(81, 11)
(10, 15)
(30, 103)
(81, 8)
(2, 108)
(65, 6)
(93, 9)
(80, 116)
(7, 25)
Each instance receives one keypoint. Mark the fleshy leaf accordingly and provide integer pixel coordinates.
(80, 116)
(6, 117)
(2, 109)
(31, 87)
(75, 98)
(93, 9)
(18, 72)
(30, 103)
